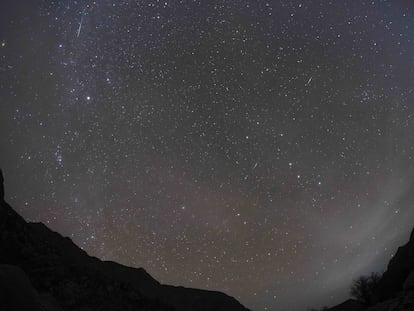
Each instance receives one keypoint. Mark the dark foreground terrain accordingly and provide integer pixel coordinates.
(395, 290)
(41, 270)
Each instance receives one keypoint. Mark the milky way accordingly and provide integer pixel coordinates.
(260, 148)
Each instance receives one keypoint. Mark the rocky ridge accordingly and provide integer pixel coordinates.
(41, 268)
(395, 291)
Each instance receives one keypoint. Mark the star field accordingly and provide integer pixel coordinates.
(260, 148)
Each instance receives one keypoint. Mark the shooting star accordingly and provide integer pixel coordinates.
(255, 165)
(309, 81)
(80, 27)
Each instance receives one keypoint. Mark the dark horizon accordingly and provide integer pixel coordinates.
(262, 149)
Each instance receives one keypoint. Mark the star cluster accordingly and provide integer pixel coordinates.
(260, 148)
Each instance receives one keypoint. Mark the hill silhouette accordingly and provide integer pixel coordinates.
(42, 270)
(395, 290)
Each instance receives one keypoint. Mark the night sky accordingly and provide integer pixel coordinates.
(260, 148)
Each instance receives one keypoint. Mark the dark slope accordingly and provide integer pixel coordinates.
(64, 275)
(395, 291)
(348, 305)
(68, 278)
(398, 270)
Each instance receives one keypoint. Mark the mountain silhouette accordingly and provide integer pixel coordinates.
(395, 290)
(42, 270)
(398, 271)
